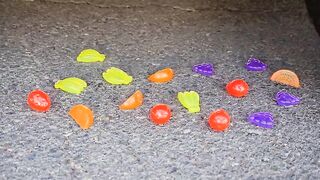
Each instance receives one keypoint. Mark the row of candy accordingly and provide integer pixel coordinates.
(160, 114)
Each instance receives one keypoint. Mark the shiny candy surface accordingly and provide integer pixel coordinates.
(160, 114)
(237, 88)
(286, 99)
(71, 85)
(117, 76)
(219, 120)
(82, 115)
(254, 64)
(205, 69)
(39, 101)
(90, 55)
(190, 100)
(162, 76)
(133, 102)
(262, 119)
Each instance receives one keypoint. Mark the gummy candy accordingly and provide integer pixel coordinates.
(254, 64)
(237, 88)
(90, 55)
(262, 119)
(160, 114)
(286, 77)
(286, 99)
(205, 69)
(71, 85)
(82, 115)
(134, 101)
(190, 100)
(116, 76)
(162, 76)
(39, 100)
(219, 120)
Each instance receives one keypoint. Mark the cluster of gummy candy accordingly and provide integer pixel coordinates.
(160, 114)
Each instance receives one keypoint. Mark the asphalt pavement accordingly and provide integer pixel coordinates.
(39, 42)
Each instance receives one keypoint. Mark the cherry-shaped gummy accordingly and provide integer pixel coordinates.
(39, 100)
(160, 114)
(237, 88)
(219, 120)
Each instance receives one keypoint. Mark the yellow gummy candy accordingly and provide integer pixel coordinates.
(116, 76)
(90, 55)
(190, 100)
(71, 85)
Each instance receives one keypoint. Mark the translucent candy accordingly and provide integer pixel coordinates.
(133, 102)
(190, 100)
(71, 85)
(262, 119)
(286, 99)
(254, 64)
(162, 76)
(219, 120)
(90, 55)
(205, 69)
(286, 77)
(116, 76)
(82, 115)
(39, 100)
(237, 88)
(160, 114)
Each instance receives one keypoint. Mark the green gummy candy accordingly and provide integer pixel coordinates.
(116, 76)
(90, 55)
(190, 100)
(71, 85)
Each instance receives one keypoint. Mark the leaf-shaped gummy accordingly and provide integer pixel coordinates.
(90, 55)
(190, 100)
(71, 85)
(116, 76)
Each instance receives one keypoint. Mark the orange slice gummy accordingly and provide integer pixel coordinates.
(286, 77)
(134, 101)
(82, 115)
(162, 76)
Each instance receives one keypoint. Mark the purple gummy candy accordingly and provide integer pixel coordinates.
(286, 99)
(261, 119)
(205, 69)
(254, 64)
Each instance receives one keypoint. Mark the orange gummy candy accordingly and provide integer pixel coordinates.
(82, 115)
(134, 101)
(286, 77)
(162, 76)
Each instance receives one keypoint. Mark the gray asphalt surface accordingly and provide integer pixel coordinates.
(39, 41)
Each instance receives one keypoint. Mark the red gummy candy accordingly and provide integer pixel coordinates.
(219, 120)
(39, 100)
(160, 114)
(237, 88)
